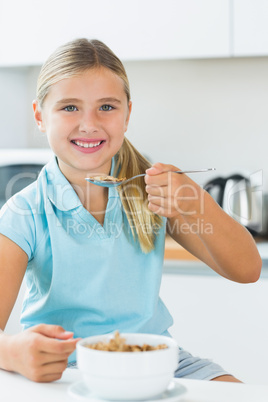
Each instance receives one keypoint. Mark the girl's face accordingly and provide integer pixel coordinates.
(85, 118)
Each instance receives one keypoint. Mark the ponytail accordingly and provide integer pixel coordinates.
(143, 223)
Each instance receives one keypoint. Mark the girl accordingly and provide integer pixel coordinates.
(93, 257)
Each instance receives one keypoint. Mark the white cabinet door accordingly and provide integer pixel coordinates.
(221, 320)
(250, 30)
(141, 29)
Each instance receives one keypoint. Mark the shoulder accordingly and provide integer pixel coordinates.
(22, 216)
(25, 200)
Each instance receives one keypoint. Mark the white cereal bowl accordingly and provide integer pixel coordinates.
(128, 375)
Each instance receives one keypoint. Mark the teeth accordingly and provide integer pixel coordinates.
(87, 144)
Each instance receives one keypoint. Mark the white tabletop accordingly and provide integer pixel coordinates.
(14, 387)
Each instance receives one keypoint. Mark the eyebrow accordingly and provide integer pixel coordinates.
(115, 100)
(76, 100)
(68, 100)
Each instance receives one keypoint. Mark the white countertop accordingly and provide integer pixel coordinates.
(263, 249)
(17, 388)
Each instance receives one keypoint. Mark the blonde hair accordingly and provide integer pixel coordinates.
(72, 59)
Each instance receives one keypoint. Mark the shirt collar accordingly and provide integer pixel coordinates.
(59, 190)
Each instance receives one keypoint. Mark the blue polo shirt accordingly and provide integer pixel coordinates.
(90, 279)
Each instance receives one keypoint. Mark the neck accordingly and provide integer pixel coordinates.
(94, 198)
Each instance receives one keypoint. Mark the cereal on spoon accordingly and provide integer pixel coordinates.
(106, 178)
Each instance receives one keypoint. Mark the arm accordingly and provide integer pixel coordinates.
(34, 353)
(197, 222)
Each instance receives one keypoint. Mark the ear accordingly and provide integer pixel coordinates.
(38, 116)
(128, 115)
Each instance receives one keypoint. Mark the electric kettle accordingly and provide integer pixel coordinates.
(240, 199)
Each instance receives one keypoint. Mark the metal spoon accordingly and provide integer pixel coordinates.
(110, 183)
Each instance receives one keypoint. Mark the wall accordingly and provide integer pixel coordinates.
(191, 113)
(13, 107)
(202, 113)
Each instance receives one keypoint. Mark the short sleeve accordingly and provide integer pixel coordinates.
(18, 224)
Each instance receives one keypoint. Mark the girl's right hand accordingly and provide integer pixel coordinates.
(40, 353)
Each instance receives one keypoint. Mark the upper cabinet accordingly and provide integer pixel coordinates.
(136, 30)
(250, 27)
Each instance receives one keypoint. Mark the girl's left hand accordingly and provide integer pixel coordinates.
(171, 194)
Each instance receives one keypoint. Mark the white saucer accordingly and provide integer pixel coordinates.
(173, 393)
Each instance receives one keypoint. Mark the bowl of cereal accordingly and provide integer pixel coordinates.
(127, 366)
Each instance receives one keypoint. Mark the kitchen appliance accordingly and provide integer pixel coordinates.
(19, 168)
(242, 198)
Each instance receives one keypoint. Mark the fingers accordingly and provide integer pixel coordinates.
(41, 353)
(157, 191)
(161, 168)
(160, 174)
(52, 331)
(45, 349)
(49, 377)
(160, 186)
(52, 339)
(49, 358)
(171, 194)
(162, 182)
(51, 371)
(53, 346)
(162, 206)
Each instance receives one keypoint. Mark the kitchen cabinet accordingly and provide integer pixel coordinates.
(221, 320)
(136, 30)
(250, 28)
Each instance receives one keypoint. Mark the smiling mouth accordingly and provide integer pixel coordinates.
(83, 144)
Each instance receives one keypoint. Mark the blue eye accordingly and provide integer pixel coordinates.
(106, 108)
(70, 108)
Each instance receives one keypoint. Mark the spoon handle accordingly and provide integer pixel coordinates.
(175, 171)
(194, 171)
(182, 171)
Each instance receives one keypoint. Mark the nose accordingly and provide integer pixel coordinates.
(89, 122)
